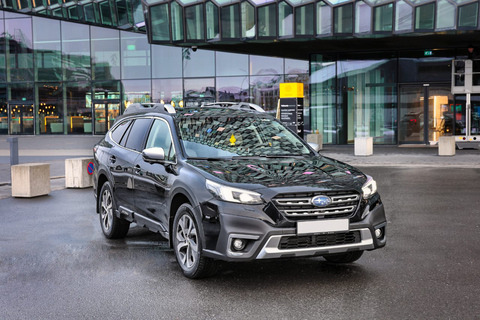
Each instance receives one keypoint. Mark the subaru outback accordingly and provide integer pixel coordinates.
(224, 183)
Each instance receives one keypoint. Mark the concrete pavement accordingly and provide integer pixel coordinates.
(55, 149)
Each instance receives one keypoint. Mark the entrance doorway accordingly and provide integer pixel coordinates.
(105, 113)
(21, 115)
(422, 113)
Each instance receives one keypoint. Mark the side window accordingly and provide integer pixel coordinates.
(137, 134)
(160, 137)
(118, 133)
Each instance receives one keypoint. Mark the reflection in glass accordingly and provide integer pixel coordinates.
(106, 13)
(468, 15)
(3, 51)
(324, 18)
(21, 108)
(363, 17)
(267, 21)
(48, 50)
(3, 110)
(248, 20)
(194, 22)
(445, 15)
(439, 114)
(383, 20)
(198, 91)
(265, 65)
(403, 16)
(177, 21)
(168, 91)
(293, 66)
(233, 89)
(230, 22)
(76, 51)
(90, 11)
(105, 53)
(18, 37)
(49, 108)
(304, 24)
(231, 64)
(411, 122)
(159, 22)
(343, 19)
(285, 19)
(136, 91)
(124, 12)
(135, 60)
(212, 21)
(198, 64)
(265, 91)
(424, 17)
(173, 56)
(79, 108)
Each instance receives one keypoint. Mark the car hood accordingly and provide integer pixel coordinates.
(304, 174)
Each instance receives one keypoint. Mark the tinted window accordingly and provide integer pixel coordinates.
(119, 131)
(160, 137)
(137, 134)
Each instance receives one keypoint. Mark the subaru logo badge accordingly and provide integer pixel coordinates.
(321, 201)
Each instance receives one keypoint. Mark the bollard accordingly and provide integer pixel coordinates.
(13, 150)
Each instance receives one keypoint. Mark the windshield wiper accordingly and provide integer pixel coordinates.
(281, 156)
(209, 158)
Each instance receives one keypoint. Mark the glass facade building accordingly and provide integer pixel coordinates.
(378, 68)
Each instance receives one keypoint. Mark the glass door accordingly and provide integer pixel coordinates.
(459, 115)
(21, 117)
(105, 114)
(425, 113)
(3, 118)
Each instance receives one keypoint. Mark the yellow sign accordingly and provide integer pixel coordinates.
(291, 90)
(232, 140)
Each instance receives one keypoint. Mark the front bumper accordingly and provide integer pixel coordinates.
(264, 240)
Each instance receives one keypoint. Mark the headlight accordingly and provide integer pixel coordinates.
(369, 188)
(233, 194)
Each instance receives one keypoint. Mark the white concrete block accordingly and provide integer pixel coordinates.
(446, 146)
(76, 173)
(30, 180)
(363, 146)
(316, 138)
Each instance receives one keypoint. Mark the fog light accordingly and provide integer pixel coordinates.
(378, 233)
(239, 244)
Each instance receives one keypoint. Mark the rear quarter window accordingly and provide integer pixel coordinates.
(119, 132)
(136, 137)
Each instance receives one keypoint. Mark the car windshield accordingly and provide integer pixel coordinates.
(230, 134)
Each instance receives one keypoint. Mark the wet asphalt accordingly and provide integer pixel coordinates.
(56, 264)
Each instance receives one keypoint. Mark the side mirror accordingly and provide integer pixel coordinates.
(314, 146)
(153, 155)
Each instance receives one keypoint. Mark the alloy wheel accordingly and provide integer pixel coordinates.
(187, 241)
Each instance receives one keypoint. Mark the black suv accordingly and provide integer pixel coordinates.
(231, 184)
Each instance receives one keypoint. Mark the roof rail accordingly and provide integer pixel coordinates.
(234, 105)
(149, 107)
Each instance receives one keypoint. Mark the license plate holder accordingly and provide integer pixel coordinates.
(322, 226)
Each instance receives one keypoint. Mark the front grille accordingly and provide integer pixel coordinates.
(321, 240)
(300, 207)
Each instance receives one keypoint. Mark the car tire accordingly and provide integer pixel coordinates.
(187, 244)
(347, 257)
(112, 227)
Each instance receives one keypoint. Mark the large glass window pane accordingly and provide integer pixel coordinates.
(166, 61)
(124, 12)
(21, 108)
(233, 89)
(90, 11)
(304, 24)
(49, 108)
(403, 16)
(177, 21)
(425, 17)
(159, 22)
(76, 51)
(3, 110)
(267, 21)
(445, 15)
(230, 22)
(293, 66)
(285, 19)
(198, 64)
(135, 56)
(3, 53)
(138, 18)
(18, 35)
(168, 91)
(248, 20)
(265, 91)
(194, 22)
(231, 64)
(383, 20)
(79, 108)
(136, 91)
(212, 21)
(48, 49)
(106, 13)
(260, 65)
(198, 91)
(324, 19)
(363, 17)
(343, 19)
(415, 67)
(105, 53)
(468, 16)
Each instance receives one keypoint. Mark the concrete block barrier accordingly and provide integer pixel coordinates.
(316, 138)
(30, 180)
(446, 146)
(76, 173)
(363, 146)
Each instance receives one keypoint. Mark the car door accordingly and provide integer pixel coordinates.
(122, 158)
(153, 181)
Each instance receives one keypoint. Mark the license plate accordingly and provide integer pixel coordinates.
(322, 226)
